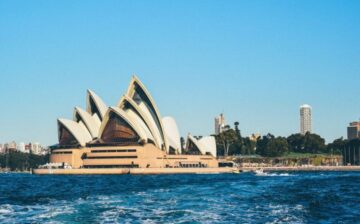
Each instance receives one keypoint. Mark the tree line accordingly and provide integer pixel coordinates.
(18, 161)
(230, 142)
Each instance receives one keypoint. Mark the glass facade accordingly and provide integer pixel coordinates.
(65, 137)
(117, 130)
(193, 149)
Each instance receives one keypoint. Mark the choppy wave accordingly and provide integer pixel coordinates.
(295, 198)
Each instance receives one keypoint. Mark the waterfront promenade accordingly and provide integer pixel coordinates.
(302, 168)
(159, 171)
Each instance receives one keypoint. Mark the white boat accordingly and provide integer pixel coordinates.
(259, 172)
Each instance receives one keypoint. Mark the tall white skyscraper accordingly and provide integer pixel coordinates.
(220, 124)
(305, 119)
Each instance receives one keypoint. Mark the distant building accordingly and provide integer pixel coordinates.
(305, 119)
(28, 147)
(45, 151)
(353, 130)
(21, 147)
(254, 137)
(36, 148)
(220, 124)
(2, 148)
(9, 147)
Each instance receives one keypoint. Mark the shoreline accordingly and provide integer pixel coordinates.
(159, 171)
(309, 168)
(169, 171)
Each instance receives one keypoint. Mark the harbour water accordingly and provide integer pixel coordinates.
(297, 197)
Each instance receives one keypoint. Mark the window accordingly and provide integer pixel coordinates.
(112, 157)
(226, 164)
(113, 150)
(112, 166)
(62, 152)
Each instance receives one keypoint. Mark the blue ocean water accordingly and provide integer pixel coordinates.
(298, 197)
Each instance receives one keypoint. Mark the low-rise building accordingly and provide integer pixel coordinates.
(36, 148)
(254, 137)
(21, 147)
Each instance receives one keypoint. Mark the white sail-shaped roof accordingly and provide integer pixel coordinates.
(143, 99)
(172, 133)
(209, 145)
(78, 131)
(89, 121)
(205, 144)
(136, 114)
(95, 106)
(125, 117)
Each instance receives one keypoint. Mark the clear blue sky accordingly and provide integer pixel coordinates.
(256, 61)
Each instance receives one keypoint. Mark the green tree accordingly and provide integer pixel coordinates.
(296, 143)
(261, 144)
(226, 139)
(269, 146)
(336, 146)
(18, 161)
(235, 149)
(314, 143)
(237, 130)
(182, 142)
(277, 147)
(308, 143)
(248, 147)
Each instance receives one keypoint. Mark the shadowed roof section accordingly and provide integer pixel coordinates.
(89, 121)
(136, 114)
(138, 92)
(205, 145)
(80, 133)
(95, 105)
(122, 126)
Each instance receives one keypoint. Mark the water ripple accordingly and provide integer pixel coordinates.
(297, 197)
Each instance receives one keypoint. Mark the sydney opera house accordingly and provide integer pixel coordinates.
(130, 137)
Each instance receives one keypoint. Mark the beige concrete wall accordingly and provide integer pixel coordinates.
(136, 171)
(148, 156)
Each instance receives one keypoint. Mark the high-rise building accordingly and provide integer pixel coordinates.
(220, 124)
(305, 119)
(353, 130)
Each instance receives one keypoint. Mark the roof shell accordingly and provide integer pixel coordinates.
(205, 144)
(142, 119)
(101, 106)
(89, 121)
(137, 128)
(172, 133)
(155, 114)
(80, 132)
